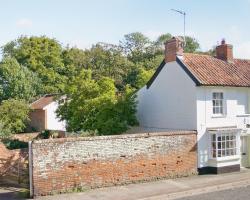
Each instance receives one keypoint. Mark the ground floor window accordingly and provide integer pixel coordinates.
(224, 144)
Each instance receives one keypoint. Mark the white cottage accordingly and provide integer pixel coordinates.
(204, 93)
(43, 115)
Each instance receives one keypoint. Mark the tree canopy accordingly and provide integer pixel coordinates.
(95, 81)
(41, 55)
(17, 81)
(92, 105)
(13, 116)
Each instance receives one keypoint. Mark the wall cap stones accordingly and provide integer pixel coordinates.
(114, 137)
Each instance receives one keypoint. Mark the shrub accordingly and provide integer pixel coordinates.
(46, 134)
(14, 144)
(4, 131)
(13, 116)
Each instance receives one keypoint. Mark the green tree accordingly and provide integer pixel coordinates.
(143, 77)
(192, 45)
(136, 46)
(118, 117)
(13, 116)
(138, 77)
(74, 60)
(41, 55)
(107, 61)
(160, 41)
(17, 81)
(92, 105)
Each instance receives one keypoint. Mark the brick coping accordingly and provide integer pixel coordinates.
(111, 137)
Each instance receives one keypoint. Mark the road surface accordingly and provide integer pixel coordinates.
(242, 193)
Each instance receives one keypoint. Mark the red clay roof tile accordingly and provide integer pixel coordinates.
(42, 102)
(209, 70)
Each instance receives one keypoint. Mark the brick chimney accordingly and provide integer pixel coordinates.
(224, 51)
(173, 48)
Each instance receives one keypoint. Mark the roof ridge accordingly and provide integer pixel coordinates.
(203, 54)
(198, 54)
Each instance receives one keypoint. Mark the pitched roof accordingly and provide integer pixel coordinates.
(207, 70)
(43, 101)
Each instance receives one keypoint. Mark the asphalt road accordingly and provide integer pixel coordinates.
(241, 193)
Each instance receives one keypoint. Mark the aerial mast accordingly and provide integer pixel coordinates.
(184, 24)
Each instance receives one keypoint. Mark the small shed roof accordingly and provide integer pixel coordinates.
(43, 101)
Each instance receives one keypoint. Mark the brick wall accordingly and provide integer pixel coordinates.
(37, 120)
(59, 165)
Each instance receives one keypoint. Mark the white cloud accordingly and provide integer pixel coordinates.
(24, 23)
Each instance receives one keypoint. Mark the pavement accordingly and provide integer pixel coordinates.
(240, 193)
(180, 188)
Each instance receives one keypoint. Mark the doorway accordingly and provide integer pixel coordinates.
(245, 151)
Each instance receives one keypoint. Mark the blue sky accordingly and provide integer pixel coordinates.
(84, 22)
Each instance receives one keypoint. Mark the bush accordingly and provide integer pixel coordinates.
(46, 134)
(4, 131)
(14, 144)
(13, 116)
(81, 134)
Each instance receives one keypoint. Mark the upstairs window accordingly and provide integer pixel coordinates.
(218, 103)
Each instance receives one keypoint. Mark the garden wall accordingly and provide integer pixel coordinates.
(60, 165)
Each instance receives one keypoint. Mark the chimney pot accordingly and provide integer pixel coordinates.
(173, 48)
(223, 41)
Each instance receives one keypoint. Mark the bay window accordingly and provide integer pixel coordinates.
(224, 144)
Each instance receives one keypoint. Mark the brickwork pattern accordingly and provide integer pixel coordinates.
(60, 165)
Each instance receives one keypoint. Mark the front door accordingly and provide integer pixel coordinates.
(244, 151)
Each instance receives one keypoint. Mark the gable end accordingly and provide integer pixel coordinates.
(181, 64)
(188, 72)
(158, 70)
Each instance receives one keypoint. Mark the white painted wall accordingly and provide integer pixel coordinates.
(170, 102)
(236, 103)
(53, 123)
(174, 102)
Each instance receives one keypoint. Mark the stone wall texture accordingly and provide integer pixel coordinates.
(60, 165)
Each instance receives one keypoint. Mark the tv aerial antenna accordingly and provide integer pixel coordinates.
(184, 23)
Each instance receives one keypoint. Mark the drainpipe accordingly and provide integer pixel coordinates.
(248, 102)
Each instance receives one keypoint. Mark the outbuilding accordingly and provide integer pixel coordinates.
(43, 115)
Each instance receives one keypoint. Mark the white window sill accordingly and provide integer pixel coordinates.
(219, 116)
(243, 115)
(226, 158)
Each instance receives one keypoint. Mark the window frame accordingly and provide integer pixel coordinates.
(225, 134)
(223, 105)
